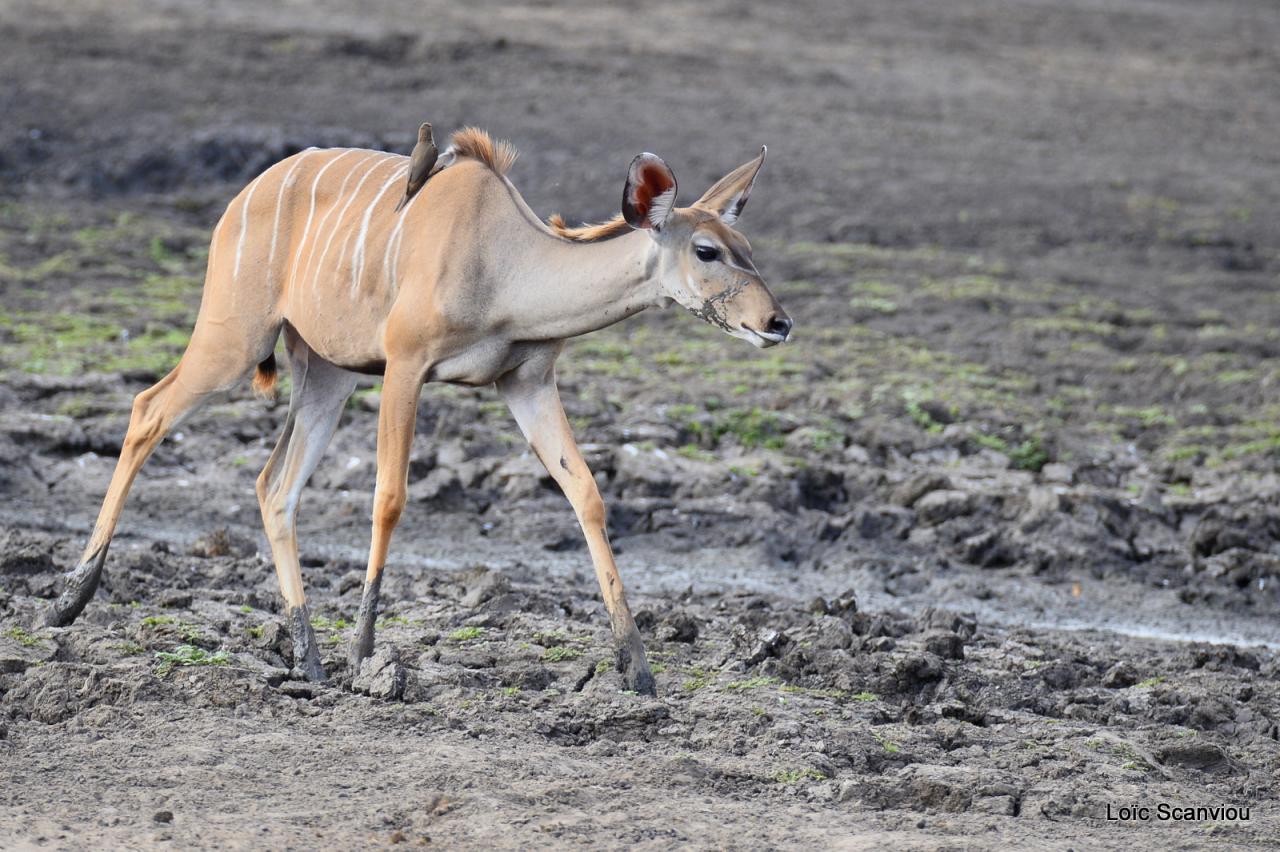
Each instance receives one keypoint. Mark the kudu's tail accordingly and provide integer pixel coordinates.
(264, 378)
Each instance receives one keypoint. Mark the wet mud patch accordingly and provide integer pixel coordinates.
(761, 699)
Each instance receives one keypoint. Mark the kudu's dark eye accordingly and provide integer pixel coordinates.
(707, 254)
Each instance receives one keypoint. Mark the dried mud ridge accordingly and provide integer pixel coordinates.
(908, 501)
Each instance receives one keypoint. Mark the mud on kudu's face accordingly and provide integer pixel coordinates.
(705, 265)
(709, 272)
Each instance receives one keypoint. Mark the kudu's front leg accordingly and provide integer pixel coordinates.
(397, 418)
(535, 403)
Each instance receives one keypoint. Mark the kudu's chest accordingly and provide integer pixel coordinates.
(484, 361)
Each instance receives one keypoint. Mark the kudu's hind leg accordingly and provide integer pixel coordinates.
(535, 403)
(319, 391)
(155, 411)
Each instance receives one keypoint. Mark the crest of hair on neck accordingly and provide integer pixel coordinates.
(615, 227)
(478, 144)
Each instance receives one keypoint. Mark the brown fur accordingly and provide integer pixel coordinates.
(264, 378)
(478, 144)
(615, 227)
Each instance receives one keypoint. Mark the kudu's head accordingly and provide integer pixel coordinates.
(704, 264)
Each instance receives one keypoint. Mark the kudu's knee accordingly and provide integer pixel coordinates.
(273, 501)
(591, 510)
(388, 505)
(145, 428)
(263, 487)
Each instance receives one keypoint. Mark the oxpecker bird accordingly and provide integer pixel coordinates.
(421, 162)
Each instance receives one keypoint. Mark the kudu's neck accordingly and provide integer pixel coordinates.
(566, 288)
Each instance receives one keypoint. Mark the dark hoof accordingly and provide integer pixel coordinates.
(361, 650)
(353, 662)
(298, 675)
(60, 615)
(306, 657)
(640, 682)
(635, 667)
(80, 586)
(313, 671)
(362, 642)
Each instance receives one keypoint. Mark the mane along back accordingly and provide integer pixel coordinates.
(479, 145)
(615, 227)
(500, 155)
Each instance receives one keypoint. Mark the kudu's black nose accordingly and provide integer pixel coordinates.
(779, 325)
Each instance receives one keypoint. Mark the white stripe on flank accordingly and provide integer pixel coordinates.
(357, 254)
(275, 226)
(306, 229)
(337, 223)
(395, 264)
(334, 206)
(244, 223)
(348, 240)
(391, 262)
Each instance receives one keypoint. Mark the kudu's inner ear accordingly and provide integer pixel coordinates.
(650, 192)
(729, 195)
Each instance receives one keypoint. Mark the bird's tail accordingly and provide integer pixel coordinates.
(403, 199)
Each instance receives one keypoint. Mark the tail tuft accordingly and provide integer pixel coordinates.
(264, 380)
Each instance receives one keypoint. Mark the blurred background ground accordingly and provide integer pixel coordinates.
(1028, 424)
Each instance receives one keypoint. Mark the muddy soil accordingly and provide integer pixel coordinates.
(990, 552)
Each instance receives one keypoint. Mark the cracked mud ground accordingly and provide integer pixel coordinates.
(993, 545)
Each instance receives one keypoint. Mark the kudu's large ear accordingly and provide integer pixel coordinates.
(729, 195)
(650, 192)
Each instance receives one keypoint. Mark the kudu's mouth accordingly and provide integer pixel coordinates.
(777, 329)
(764, 339)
